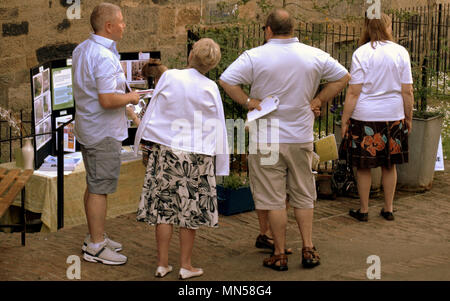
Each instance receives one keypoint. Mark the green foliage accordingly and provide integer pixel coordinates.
(235, 181)
(441, 105)
(436, 85)
(327, 7)
(265, 6)
(426, 114)
(233, 40)
(226, 12)
(177, 62)
(238, 37)
(402, 15)
(446, 148)
(337, 111)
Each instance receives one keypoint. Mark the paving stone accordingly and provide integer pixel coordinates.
(413, 247)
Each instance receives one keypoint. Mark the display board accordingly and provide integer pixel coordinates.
(53, 102)
(41, 111)
(63, 102)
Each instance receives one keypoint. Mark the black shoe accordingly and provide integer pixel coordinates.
(310, 257)
(387, 215)
(362, 217)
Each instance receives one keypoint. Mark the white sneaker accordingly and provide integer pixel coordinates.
(103, 254)
(163, 271)
(113, 245)
(185, 274)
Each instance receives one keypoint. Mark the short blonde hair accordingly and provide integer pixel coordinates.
(102, 13)
(205, 55)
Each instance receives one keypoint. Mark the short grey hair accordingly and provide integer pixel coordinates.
(205, 55)
(102, 13)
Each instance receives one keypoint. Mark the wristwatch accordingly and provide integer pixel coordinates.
(248, 101)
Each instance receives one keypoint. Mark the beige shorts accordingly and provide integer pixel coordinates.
(291, 174)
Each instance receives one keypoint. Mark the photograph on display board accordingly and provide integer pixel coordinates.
(69, 137)
(47, 101)
(43, 127)
(124, 68)
(46, 80)
(133, 71)
(69, 134)
(39, 109)
(136, 68)
(37, 85)
(39, 139)
(47, 129)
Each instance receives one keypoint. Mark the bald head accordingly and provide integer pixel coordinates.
(280, 22)
(102, 13)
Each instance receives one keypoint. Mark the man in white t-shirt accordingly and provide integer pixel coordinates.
(291, 71)
(101, 124)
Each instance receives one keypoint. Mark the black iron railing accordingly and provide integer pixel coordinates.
(431, 71)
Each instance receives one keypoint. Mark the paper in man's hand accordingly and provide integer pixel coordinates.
(268, 105)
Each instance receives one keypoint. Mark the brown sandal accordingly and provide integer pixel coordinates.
(271, 262)
(310, 257)
(262, 242)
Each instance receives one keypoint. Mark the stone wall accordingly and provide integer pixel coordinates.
(39, 30)
(338, 11)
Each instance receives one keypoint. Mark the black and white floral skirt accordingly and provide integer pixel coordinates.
(179, 189)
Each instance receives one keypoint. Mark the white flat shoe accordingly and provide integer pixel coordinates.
(163, 271)
(186, 274)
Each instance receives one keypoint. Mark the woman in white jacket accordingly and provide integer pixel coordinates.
(184, 128)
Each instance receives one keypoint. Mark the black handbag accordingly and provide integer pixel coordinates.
(343, 181)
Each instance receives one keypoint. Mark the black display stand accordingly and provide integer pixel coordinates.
(56, 144)
(60, 174)
(46, 149)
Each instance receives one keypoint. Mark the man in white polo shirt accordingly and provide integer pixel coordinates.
(291, 71)
(101, 124)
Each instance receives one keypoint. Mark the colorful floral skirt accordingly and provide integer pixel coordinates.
(179, 189)
(371, 144)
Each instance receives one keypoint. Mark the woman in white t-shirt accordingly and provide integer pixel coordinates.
(377, 115)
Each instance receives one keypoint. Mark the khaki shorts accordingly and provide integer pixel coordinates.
(102, 164)
(291, 175)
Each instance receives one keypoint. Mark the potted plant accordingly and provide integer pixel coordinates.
(234, 195)
(423, 141)
(24, 156)
(417, 175)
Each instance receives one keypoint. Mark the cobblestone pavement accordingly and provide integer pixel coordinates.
(413, 247)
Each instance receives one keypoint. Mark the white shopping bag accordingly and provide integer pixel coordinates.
(439, 157)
